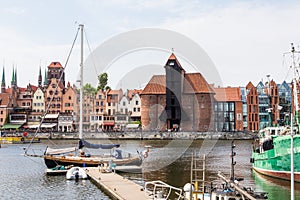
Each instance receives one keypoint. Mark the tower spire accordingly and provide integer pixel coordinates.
(13, 77)
(3, 81)
(16, 83)
(40, 77)
(45, 78)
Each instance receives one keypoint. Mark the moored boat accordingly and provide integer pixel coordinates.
(76, 173)
(272, 155)
(277, 147)
(76, 156)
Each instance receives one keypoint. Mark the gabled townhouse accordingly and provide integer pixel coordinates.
(135, 104)
(99, 110)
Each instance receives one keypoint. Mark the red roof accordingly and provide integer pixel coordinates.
(4, 98)
(193, 83)
(157, 85)
(228, 94)
(173, 57)
(131, 93)
(55, 65)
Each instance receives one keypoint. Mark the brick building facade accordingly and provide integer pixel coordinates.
(177, 101)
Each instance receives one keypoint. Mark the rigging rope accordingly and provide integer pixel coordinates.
(91, 54)
(52, 97)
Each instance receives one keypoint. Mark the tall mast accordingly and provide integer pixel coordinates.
(295, 100)
(81, 84)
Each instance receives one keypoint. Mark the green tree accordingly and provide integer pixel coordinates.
(102, 81)
(88, 89)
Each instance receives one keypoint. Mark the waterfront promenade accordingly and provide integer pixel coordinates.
(152, 135)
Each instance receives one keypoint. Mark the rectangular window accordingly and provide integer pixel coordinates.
(136, 102)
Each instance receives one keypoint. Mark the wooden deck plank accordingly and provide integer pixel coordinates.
(116, 186)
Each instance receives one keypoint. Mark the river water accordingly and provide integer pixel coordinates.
(24, 177)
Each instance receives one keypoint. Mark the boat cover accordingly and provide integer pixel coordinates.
(83, 143)
(50, 151)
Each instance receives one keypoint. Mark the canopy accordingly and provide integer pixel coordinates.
(42, 126)
(83, 143)
(51, 116)
(132, 126)
(11, 126)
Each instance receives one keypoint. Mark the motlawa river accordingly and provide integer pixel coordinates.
(169, 161)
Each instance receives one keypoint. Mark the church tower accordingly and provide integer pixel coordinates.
(40, 78)
(45, 79)
(13, 83)
(3, 82)
(56, 70)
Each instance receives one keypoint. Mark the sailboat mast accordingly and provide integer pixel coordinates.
(81, 84)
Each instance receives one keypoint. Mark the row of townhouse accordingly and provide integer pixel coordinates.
(24, 108)
(112, 110)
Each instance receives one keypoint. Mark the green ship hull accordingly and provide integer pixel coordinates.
(276, 161)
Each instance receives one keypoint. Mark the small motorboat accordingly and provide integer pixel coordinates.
(76, 173)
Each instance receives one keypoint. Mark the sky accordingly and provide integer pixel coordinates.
(244, 39)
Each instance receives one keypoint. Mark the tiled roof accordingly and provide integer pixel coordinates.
(173, 57)
(228, 94)
(131, 93)
(157, 85)
(194, 83)
(4, 99)
(55, 65)
(120, 92)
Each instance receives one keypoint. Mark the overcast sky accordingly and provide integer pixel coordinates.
(244, 39)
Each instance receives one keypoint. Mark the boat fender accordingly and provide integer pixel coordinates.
(251, 160)
(146, 154)
(22, 139)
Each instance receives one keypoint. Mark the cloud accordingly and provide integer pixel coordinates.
(15, 10)
(245, 40)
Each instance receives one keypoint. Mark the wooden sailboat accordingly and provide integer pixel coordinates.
(75, 156)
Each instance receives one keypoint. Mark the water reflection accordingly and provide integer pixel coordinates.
(24, 178)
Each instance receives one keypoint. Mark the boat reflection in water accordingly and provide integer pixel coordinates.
(276, 188)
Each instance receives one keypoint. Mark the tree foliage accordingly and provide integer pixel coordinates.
(88, 89)
(102, 81)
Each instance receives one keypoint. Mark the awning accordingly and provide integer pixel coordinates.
(132, 126)
(48, 125)
(11, 126)
(51, 116)
(42, 126)
(108, 123)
